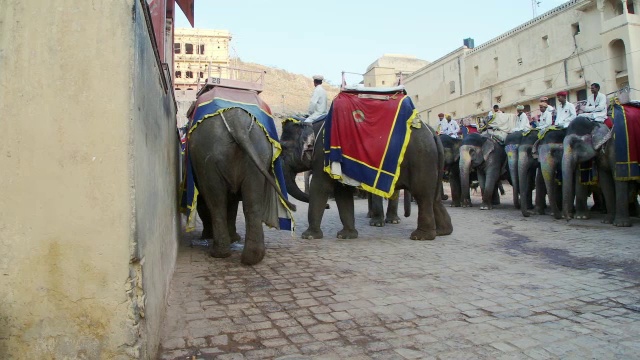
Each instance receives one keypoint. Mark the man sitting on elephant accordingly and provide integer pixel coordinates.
(451, 128)
(522, 121)
(566, 111)
(498, 126)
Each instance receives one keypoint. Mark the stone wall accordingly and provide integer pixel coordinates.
(88, 187)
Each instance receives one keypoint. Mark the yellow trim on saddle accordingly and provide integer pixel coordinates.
(544, 132)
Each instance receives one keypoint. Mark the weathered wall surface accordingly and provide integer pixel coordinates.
(155, 159)
(85, 184)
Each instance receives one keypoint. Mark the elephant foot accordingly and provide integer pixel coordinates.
(445, 197)
(486, 206)
(252, 253)
(423, 235)
(622, 222)
(378, 222)
(219, 251)
(496, 202)
(348, 234)
(235, 237)
(327, 206)
(467, 203)
(369, 215)
(517, 206)
(557, 215)
(527, 213)
(310, 234)
(539, 210)
(393, 219)
(455, 204)
(582, 216)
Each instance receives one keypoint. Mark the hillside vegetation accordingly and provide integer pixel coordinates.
(296, 88)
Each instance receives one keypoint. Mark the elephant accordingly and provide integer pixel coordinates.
(420, 172)
(588, 140)
(452, 164)
(231, 162)
(523, 171)
(489, 159)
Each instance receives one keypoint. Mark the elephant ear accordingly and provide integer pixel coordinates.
(488, 147)
(600, 135)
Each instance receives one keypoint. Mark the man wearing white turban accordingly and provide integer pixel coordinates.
(522, 121)
(318, 103)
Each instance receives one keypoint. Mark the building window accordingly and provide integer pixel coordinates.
(201, 49)
(177, 47)
(576, 28)
(522, 91)
(178, 74)
(552, 102)
(201, 75)
(382, 82)
(545, 41)
(189, 74)
(452, 87)
(527, 108)
(416, 97)
(188, 48)
(520, 61)
(479, 105)
(548, 83)
(477, 70)
(499, 99)
(582, 94)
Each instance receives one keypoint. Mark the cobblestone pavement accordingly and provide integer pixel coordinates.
(500, 287)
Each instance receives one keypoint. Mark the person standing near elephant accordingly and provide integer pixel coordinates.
(565, 112)
(318, 103)
(596, 108)
(522, 121)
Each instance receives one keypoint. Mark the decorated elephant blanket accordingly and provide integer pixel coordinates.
(212, 103)
(626, 132)
(366, 135)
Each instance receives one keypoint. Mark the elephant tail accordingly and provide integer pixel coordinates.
(407, 203)
(241, 137)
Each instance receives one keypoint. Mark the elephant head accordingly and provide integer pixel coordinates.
(475, 151)
(298, 142)
(583, 140)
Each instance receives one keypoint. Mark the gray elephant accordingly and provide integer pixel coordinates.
(420, 172)
(489, 159)
(587, 140)
(231, 159)
(452, 165)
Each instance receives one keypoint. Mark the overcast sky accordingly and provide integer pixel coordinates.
(330, 36)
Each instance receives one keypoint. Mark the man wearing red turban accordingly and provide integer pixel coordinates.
(565, 112)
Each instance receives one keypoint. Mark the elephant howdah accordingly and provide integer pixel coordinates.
(233, 155)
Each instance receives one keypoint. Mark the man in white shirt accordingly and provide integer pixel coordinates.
(496, 110)
(522, 121)
(565, 112)
(452, 128)
(546, 118)
(442, 124)
(596, 108)
(318, 103)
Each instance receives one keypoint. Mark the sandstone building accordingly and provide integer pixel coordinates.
(568, 48)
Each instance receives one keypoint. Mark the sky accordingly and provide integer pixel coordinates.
(330, 36)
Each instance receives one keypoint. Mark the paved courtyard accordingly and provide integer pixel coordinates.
(500, 287)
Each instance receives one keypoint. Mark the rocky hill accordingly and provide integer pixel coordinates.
(296, 88)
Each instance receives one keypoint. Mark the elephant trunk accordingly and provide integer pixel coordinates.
(512, 159)
(524, 186)
(569, 162)
(465, 172)
(292, 187)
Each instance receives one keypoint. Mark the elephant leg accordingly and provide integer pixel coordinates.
(370, 207)
(307, 176)
(541, 194)
(392, 209)
(495, 200)
(444, 196)
(607, 186)
(220, 246)
(426, 217)
(443, 220)
(598, 200)
(376, 210)
(454, 184)
(205, 217)
(232, 214)
(533, 179)
(344, 201)
(490, 186)
(320, 188)
(622, 204)
(254, 248)
(582, 193)
(501, 188)
(482, 181)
